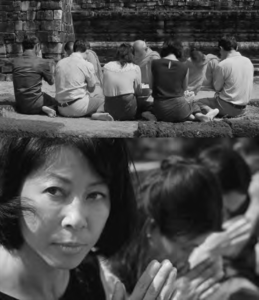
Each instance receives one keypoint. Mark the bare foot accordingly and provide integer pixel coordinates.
(102, 117)
(49, 111)
(212, 113)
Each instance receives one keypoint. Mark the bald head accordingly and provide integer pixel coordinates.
(140, 48)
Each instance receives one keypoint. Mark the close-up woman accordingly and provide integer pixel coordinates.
(64, 203)
(169, 82)
(122, 84)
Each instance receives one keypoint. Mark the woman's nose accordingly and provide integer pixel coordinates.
(75, 216)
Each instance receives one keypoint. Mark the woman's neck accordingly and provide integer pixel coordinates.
(24, 275)
(171, 56)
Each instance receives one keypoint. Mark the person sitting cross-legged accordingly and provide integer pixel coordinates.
(28, 72)
(75, 80)
(233, 80)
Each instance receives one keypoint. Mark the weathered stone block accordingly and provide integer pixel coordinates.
(40, 15)
(52, 48)
(6, 26)
(2, 77)
(30, 26)
(55, 25)
(31, 15)
(13, 48)
(25, 5)
(48, 15)
(51, 5)
(18, 25)
(57, 14)
(2, 49)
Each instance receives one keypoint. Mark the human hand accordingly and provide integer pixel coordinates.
(239, 231)
(202, 281)
(157, 282)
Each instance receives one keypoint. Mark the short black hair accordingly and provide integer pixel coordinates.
(171, 46)
(29, 42)
(230, 167)
(228, 43)
(185, 199)
(110, 158)
(80, 46)
(69, 46)
(124, 54)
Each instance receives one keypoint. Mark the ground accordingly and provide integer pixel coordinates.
(14, 123)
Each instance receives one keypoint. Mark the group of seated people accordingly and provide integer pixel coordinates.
(138, 82)
(199, 214)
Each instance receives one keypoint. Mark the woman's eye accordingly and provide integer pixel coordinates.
(54, 191)
(96, 196)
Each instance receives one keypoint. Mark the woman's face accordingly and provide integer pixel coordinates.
(71, 204)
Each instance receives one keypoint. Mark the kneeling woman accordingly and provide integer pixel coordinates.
(121, 85)
(169, 82)
(64, 202)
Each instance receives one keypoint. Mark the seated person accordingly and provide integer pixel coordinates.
(169, 82)
(180, 207)
(93, 58)
(143, 57)
(75, 79)
(235, 177)
(200, 70)
(233, 80)
(121, 85)
(28, 72)
(69, 48)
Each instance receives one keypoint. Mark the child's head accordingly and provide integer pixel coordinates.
(185, 203)
(181, 205)
(62, 197)
(234, 176)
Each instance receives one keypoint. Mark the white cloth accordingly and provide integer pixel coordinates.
(234, 79)
(73, 74)
(118, 80)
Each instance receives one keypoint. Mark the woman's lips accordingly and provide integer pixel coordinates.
(71, 248)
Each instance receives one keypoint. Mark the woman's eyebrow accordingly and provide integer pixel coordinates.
(100, 182)
(60, 177)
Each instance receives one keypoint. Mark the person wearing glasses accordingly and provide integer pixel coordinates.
(28, 72)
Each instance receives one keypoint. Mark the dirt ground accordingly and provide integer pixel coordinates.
(22, 124)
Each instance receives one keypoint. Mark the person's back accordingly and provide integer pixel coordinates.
(213, 62)
(28, 72)
(70, 78)
(168, 78)
(120, 80)
(238, 73)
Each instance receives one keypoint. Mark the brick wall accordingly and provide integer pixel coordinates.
(106, 23)
(51, 21)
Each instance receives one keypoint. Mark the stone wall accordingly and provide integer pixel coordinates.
(165, 4)
(51, 21)
(106, 23)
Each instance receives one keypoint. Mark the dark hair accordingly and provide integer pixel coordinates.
(231, 169)
(228, 43)
(183, 198)
(124, 54)
(171, 46)
(29, 42)
(69, 46)
(80, 46)
(110, 158)
(196, 55)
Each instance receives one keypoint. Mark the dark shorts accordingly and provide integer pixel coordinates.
(35, 107)
(121, 108)
(174, 109)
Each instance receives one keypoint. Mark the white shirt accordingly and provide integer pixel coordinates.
(73, 74)
(234, 79)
